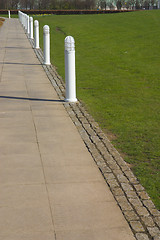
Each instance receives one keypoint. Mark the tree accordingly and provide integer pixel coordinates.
(137, 4)
(3, 4)
(48, 4)
(90, 4)
(119, 4)
(146, 4)
(102, 4)
(53, 4)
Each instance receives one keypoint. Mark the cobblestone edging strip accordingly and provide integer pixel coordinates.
(134, 202)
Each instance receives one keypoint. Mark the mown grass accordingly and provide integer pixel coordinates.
(118, 79)
(6, 15)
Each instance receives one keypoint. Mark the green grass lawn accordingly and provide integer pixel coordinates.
(6, 15)
(118, 79)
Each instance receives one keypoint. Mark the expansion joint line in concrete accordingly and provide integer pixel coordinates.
(33, 120)
(4, 56)
(135, 204)
(43, 173)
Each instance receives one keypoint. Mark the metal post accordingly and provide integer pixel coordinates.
(36, 34)
(70, 76)
(9, 14)
(31, 27)
(46, 44)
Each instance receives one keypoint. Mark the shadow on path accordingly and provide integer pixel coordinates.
(31, 99)
(10, 63)
(17, 47)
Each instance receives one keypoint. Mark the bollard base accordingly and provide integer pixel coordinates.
(46, 63)
(71, 100)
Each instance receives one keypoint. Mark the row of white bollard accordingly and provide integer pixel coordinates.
(70, 79)
(27, 23)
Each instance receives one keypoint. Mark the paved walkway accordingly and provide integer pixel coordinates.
(50, 187)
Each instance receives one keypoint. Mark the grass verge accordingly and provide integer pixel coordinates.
(6, 15)
(118, 69)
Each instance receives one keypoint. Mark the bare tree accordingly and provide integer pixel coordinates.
(53, 4)
(102, 4)
(3, 4)
(48, 4)
(13, 4)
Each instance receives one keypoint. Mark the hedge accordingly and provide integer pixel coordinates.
(64, 12)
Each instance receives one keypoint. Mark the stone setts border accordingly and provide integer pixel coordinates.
(135, 204)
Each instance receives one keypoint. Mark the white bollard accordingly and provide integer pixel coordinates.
(25, 22)
(46, 45)
(22, 19)
(70, 76)
(31, 27)
(19, 15)
(36, 34)
(9, 14)
(28, 25)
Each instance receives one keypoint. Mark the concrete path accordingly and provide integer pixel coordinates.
(50, 187)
